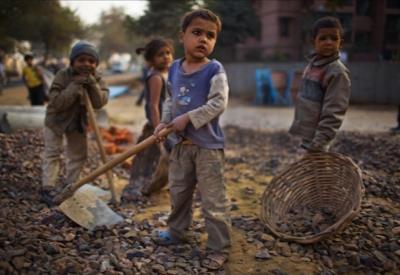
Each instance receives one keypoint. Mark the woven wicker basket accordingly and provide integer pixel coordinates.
(318, 180)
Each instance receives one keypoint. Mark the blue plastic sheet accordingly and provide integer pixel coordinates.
(117, 90)
(267, 93)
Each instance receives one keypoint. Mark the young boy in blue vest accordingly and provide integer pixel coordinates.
(197, 96)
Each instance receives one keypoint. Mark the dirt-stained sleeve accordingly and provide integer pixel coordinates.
(63, 92)
(334, 107)
(217, 101)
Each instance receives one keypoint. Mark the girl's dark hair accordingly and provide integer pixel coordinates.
(151, 48)
(203, 14)
(326, 22)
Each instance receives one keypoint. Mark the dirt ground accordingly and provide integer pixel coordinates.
(364, 118)
(122, 111)
(252, 161)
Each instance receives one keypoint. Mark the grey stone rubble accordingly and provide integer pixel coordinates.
(37, 240)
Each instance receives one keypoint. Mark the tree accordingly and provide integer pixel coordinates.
(162, 18)
(238, 18)
(239, 22)
(334, 5)
(58, 30)
(115, 32)
(112, 32)
(42, 22)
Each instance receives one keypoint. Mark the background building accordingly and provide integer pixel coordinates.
(372, 29)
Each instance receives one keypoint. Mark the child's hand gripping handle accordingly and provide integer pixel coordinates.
(69, 190)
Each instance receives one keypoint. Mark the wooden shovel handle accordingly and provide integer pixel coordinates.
(68, 191)
(92, 119)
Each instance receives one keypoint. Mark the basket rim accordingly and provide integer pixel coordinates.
(335, 227)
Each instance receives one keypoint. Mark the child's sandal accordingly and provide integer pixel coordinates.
(214, 261)
(165, 238)
(47, 196)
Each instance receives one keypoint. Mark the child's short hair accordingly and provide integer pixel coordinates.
(151, 48)
(28, 56)
(326, 22)
(200, 13)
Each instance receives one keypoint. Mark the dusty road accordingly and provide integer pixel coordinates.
(243, 114)
(122, 110)
(358, 118)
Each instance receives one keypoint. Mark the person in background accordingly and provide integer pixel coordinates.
(149, 172)
(197, 96)
(3, 77)
(140, 51)
(324, 95)
(396, 130)
(33, 79)
(66, 116)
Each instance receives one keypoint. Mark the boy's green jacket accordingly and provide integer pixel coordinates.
(66, 110)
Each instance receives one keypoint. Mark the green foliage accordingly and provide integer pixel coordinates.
(111, 32)
(14, 16)
(162, 18)
(114, 32)
(41, 22)
(58, 30)
(333, 5)
(239, 20)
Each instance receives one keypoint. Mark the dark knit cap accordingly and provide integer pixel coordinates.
(83, 47)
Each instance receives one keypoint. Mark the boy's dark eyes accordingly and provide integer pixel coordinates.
(210, 35)
(326, 37)
(86, 59)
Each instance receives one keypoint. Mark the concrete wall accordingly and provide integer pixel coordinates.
(372, 82)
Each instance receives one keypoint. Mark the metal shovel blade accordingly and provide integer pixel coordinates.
(88, 210)
(102, 194)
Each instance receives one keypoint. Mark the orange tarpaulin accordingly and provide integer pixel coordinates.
(113, 137)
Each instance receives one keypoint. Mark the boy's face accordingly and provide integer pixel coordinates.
(84, 64)
(327, 42)
(199, 39)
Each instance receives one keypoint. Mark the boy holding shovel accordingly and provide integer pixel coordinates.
(66, 116)
(197, 96)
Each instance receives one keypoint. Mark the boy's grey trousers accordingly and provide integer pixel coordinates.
(76, 154)
(191, 165)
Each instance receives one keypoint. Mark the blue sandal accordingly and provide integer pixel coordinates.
(165, 238)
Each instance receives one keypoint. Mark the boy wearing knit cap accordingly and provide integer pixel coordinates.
(66, 116)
